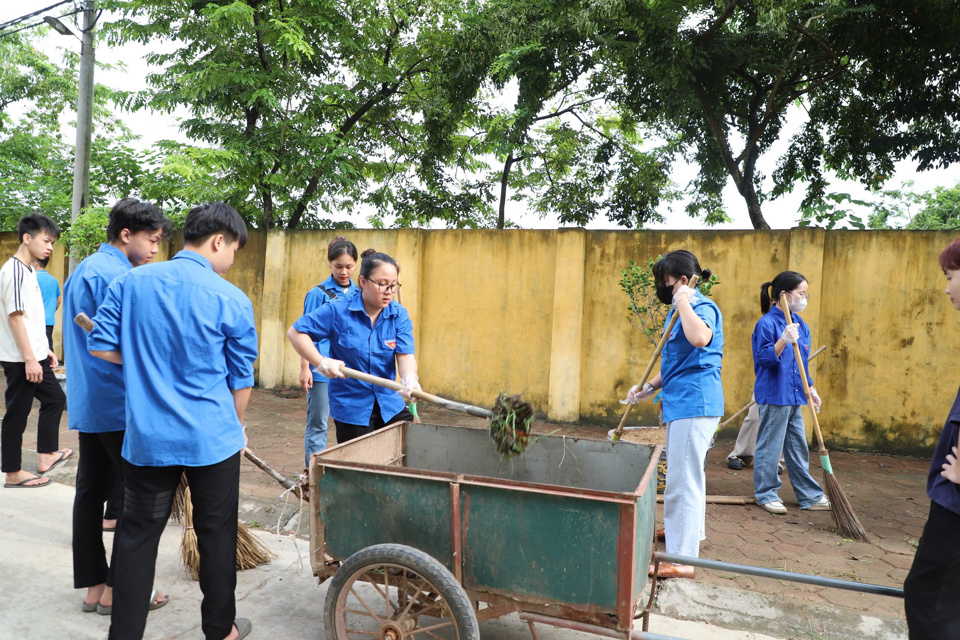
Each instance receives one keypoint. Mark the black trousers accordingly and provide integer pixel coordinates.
(19, 400)
(347, 431)
(115, 502)
(215, 493)
(97, 469)
(50, 336)
(932, 588)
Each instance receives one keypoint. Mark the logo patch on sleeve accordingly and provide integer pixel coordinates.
(391, 343)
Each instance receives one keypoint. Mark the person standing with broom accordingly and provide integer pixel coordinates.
(96, 395)
(692, 403)
(370, 332)
(932, 588)
(780, 396)
(187, 342)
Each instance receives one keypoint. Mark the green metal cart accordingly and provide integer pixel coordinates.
(425, 532)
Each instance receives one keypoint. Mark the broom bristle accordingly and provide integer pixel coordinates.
(189, 551)
(176, 509)
(251, 552)
(842, 511)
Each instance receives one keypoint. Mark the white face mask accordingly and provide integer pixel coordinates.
(796, 306)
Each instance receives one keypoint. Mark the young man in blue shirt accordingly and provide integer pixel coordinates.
(50, 292)
(96, 393)
(187, 341)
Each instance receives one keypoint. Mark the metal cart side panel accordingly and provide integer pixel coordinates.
(544, 548)
(366, 508)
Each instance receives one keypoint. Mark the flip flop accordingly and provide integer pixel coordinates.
(243, 626)
(24, 485)
(64, 456)
(89, 608)
(105, 611)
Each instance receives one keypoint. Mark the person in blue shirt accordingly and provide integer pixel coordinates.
(50, 291)
(342, 255)
(369, 332)
(931, 591)
(780, 397)
(96, 395)
(692, 402)
(186, 340)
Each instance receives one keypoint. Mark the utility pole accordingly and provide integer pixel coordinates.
(81, 167)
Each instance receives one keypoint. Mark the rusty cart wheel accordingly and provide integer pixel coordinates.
(395, 592)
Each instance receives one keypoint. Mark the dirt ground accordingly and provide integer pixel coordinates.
(887, 494)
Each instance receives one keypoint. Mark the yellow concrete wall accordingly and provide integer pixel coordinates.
(541, 313)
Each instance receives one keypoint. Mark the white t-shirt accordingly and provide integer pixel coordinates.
(19, 291)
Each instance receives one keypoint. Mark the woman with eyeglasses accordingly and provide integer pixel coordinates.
(370, 332)
(342, 256)
(780, 396)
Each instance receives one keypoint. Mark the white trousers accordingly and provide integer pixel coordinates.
(685, 496)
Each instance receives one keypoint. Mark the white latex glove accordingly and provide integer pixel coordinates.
(330, 368)
(816, 399)
(411, 383)
(636, 394)
(791, 333)
(683, 293)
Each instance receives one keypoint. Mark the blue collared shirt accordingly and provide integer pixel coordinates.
(370, 349)
(187, 338)
(778, 379)
(50, 290)
(325, 292)
(939, 489)
(691, 375)
(95, 391)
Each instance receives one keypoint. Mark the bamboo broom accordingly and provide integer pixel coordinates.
(840, 508)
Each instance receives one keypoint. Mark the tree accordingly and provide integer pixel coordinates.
(558, 147)
(36, 164)
(877, 82)
(313, 103)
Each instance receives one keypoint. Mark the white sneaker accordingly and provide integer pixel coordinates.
(775, 507)
(823, 505)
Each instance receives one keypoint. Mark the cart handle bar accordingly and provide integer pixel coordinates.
(776, 574)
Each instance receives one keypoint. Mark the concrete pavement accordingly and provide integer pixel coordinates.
(282, 599)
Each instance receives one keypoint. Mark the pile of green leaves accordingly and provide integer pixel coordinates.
(510, 425)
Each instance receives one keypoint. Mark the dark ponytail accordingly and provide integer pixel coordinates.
(678, 264)
(339, 246)
(373, 259)
(785, 281)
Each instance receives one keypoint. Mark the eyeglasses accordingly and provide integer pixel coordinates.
(386, 287)
(802, 296)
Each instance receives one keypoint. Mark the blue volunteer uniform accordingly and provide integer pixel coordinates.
(327, 291)
(691, 375)
(778, 378)
(95, 391)
(50, 291)
(365, 348)
(188, 338)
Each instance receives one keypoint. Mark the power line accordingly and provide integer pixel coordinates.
(17, 21)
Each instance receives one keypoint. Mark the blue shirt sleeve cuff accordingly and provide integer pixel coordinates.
(240, 382)
(101, 345)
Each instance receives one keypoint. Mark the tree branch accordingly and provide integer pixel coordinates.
(715, 27)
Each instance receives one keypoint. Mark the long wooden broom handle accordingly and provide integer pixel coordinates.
(618, 433)
(420, 395)
(803, 375)
(726, 422)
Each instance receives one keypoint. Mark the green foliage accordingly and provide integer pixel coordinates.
(901, 208)
(830, 212)
(87, 232)
(647, 313)
(313, 104)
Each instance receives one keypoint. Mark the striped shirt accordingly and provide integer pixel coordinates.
(19, 291)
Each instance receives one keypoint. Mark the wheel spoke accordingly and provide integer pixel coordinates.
(364, 633)
(369, 610)
(414, 598)
(427, 630)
